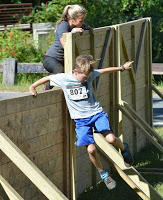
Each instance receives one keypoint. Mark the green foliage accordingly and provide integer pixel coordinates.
(48, 12)
(18, 44)
(103, 13)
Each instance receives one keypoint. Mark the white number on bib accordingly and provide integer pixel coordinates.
(77, 92)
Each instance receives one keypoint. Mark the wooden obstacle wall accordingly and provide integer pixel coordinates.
(113, 46)
(36, 127)
(41, 126)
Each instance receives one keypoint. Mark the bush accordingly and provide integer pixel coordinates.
(19, 44)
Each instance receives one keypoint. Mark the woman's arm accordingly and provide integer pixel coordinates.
(127, 65)
(62, 42)
(32, 88)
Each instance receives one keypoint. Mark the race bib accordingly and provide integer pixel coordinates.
(77, 92)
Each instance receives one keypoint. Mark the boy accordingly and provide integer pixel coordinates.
(86, 110)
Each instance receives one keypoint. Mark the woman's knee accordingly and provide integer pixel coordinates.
(91, 149)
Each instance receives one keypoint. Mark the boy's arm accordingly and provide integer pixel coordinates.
(32, 88)
(127, 65)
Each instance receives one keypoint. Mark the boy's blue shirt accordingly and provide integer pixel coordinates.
(79, 97)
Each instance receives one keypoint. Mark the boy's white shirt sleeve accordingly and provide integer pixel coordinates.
(56, 79)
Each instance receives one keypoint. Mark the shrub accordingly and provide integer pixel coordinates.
(19, 44)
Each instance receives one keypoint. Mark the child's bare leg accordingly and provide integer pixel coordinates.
(92, 152)
(115, 141)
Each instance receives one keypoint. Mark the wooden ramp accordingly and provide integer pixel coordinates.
(130, 175)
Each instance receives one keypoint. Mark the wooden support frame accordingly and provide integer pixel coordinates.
(69, 63)
(29, 169)
(157, 91)
(130, 117)
(7, 192)
(143, 122)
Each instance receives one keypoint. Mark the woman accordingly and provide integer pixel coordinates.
(72, 20)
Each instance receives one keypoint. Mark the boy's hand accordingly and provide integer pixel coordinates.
(127, 65)
(33, 90)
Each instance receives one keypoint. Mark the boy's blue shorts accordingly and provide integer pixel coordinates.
(84, 128)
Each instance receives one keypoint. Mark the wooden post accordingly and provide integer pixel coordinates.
(69, 63)
(9, 71)
(117, 80)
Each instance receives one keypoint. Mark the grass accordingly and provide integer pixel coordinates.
(148, 157)
(23, 83)
(160, 87)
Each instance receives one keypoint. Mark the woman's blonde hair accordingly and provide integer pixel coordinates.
(84, 64)
(71, 11)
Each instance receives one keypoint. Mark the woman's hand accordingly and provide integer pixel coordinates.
(32, 90)
(79, 30)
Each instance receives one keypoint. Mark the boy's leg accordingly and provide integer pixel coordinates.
(92, 152)
(115, 141)
(110, 137)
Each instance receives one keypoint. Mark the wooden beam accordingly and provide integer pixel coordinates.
(10, 193)
(132, 71)
(142, 121)
(29, 169)
(157, 91)
(132, 177)
(141, 38)
(140, 127)
(69, 51)
(104, 51)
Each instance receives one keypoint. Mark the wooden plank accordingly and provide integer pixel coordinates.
(140, 127)
(132, 71)
(130, 175)
(143, 122)
(141, 38)
(16, 5)
(157, 91)
(104, 51)
(69, 51)
(29, 169)
(11, 193)
(134, 22)
(157, 68)
(66, 151)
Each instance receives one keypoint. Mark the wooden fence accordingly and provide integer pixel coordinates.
(12, 13)
(41, 127)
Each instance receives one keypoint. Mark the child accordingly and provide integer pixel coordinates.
(86, 110)
(72, 20)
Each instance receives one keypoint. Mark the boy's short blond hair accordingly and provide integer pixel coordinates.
(84, 64)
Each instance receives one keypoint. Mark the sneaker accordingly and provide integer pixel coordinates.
(109, 182)
(128, 159)
(47, 86)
